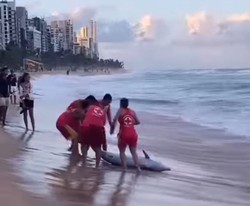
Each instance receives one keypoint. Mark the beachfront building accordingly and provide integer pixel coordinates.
(34, 39)
(93, 39)
(41, 25)
(8, 23)
(22, 26)
(76, 48)
(83, 39)
(88, 41)
(56, 39)
(50, 39)
(1, 37)
(63, 34)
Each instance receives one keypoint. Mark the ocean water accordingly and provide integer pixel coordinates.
(215, 98)
(193, 121)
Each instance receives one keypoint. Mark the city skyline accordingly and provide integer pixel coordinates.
(194, 31)
(36, 34)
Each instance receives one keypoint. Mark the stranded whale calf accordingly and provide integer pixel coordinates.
(145, 162)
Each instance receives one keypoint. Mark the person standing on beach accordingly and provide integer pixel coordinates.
(106, 106)
(12, 80)
(68, 124)
(27, 100)
(4, 95)
(127, 135)
(92, 131)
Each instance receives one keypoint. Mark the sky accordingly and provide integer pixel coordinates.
(167, 34)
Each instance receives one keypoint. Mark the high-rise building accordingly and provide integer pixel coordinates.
(75, 37)
(50, 39)
(56, 39)
(93, 44)
(22, 26)
(34, 39)
(83, 39)
(1, 37)
(64, 30)
(41, 25)
(8, 22)
(93, 33)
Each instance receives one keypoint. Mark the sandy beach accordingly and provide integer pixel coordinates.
(10, 192)
(209, 166)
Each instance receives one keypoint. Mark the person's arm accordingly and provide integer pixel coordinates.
(137, 121)
(19, 85)
(1, 88)
(9, 84)
(109, 115)
(113, 125)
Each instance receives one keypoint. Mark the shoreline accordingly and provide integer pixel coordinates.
(186, 164)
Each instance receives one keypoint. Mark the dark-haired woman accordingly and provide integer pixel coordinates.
(27, 101)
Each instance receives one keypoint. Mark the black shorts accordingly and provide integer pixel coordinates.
(27, 103)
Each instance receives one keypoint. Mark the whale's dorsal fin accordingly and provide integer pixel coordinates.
(145, 154)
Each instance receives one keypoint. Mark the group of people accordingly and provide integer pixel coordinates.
(11, 88)
(83, 123)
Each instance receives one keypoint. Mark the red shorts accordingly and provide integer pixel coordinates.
(63, 131)
(93, 136)
(125, 141)
(60, 125)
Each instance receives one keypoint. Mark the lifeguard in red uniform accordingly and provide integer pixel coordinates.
(127, 135)
(69, 122)
(92, 131)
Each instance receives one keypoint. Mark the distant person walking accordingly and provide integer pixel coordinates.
(27, 101)
(4, 95)
(12, 81)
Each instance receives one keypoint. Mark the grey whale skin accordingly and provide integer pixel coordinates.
(145, 162)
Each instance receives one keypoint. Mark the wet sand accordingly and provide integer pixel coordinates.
(209, 167)
(10, 192)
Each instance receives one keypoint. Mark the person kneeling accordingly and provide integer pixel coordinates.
(127, 135)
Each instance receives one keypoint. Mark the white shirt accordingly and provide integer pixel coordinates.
(26, 90)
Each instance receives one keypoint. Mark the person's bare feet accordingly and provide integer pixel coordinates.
(138, 169)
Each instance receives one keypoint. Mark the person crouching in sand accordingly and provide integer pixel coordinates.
(69, 122)
(77, 104)
(92, 132)
(127, 135)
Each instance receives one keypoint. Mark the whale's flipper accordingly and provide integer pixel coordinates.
(145, 154)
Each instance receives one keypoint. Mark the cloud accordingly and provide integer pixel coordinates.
(205, 41)
(150, 28)
(245, 17)
(200, 23)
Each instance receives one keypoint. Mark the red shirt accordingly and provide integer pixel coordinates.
(95, 116)
(127, 123)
